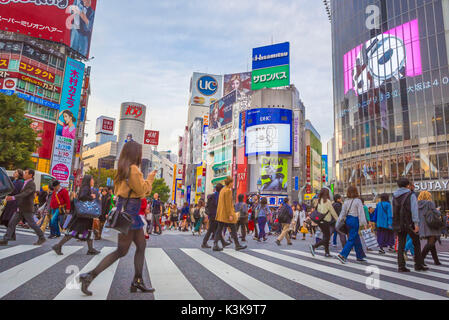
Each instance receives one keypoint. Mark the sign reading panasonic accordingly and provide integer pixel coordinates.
(438, 185)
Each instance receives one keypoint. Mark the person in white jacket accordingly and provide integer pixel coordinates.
(353, 215)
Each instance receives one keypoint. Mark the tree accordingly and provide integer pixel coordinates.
(101, 178)
(162, 189)
(17, 138)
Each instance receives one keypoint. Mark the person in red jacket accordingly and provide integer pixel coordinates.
(59, 204)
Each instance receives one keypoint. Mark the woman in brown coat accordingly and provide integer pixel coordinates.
(226, 216)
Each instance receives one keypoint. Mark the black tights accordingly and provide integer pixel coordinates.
(124, 242)
(430, 246)
(90, 243)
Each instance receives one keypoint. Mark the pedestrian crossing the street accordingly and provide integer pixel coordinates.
(293, 274)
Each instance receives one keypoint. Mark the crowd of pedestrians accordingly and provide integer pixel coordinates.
(398, 225)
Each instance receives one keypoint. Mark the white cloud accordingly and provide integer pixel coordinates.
(148, 52)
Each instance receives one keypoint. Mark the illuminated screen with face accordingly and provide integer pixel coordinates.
(393, 55)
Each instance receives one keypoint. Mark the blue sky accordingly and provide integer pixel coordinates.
(146, 52)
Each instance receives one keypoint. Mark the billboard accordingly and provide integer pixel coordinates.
(205, 89)
(271, 77)
(221, 111)
(69, 22)
(70, 99)
(105, 125)
(268, 130)
(271, 56)
(324, 168)
(196, 142)
(151, 137)
(296, 138)
(274, 174)
(237, 81)
(390, 56)
(67, 121)
(46, 132)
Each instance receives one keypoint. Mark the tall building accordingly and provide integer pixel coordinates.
(391, 95)
(37, 51)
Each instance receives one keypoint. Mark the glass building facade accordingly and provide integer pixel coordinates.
(391, 95)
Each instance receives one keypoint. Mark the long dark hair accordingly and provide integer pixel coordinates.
(324, 195)
(70, 114)
(131, 155)
(85, 184)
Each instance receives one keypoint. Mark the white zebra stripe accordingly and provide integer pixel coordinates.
(169, 282)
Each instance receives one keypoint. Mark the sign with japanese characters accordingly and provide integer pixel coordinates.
(67, 121)
(36, 71)
(271, 77)
(69, 22)
(271, 56)
(62, 159)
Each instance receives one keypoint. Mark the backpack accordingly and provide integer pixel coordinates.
(433, 219)
(283, 215)
(211, 205)
(317, 216)
(196, 214)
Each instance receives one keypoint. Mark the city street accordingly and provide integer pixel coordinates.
(178, 269)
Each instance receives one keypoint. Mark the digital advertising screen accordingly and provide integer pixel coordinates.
(268, 130)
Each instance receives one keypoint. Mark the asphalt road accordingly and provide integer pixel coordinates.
(179, 269)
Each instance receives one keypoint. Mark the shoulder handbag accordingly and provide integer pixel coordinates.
(341, 225)
(87, 209)
(61, 207)
(120, 220)
(317, 216)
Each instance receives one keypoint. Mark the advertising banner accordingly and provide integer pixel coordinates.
(46, 136)
(70, 99)
(205, 89)
(62, 159)
(271, 77)
(69, 22)
(237, 81)
(151, 137)
(221, 111)
(268, 130)
(67, 121)
(205, 133)
(105, 125)
(271, 56)
(274, 174)
(308, 170)
(196, 136)
(296, 133)
(242, 171)
(393, 55)
(324, 168)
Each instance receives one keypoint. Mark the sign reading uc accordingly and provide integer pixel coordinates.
(207, 85)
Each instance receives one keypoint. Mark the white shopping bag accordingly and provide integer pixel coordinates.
(267, 229)
(369, 238)
(110, 234)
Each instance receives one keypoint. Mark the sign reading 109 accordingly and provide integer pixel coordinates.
(207, 85)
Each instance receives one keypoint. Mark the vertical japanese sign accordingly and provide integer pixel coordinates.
(308, 168)
(296, 160)
(67, 121)
(324, 168)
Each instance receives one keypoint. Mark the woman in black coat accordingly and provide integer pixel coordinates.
(81, 228)
(11, 206)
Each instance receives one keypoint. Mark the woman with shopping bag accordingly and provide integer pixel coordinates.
(130, 187)
(353, 215)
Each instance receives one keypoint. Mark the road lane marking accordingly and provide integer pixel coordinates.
(248, 286)
(5, 253)
(326, 287)
(169, 282)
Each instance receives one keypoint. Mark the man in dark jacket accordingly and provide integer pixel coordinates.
(406, 222)
(285, 218)
(211, 211)
(25, 200)
(337, 205)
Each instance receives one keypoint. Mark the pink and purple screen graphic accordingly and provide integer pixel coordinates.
(403, 52)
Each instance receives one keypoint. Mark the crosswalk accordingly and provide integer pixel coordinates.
(191, 274)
